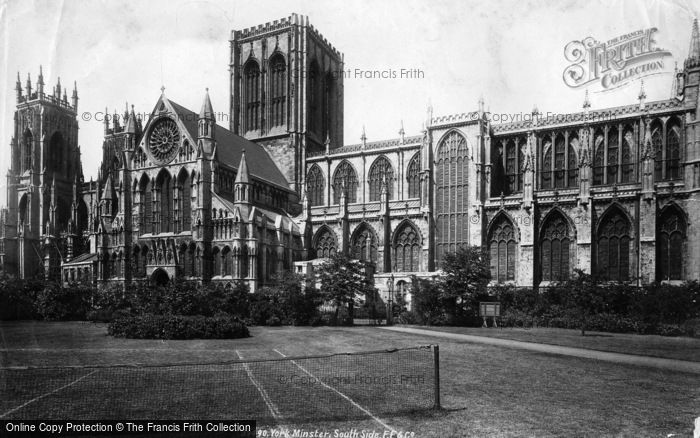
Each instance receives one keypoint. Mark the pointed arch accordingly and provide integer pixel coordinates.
(599, 158)
(226, 266)
(364, 243)
(614, 240)
(325, 242)
(557, 238)
(406, 247)
(671, 235)
(278, 89)
(26, 149)
(673, 148)
(163, 202)
(413, 176)
(184, 201)
(381, 172)
(315, 186)
(503, 247)
(345, 181)
(657, 143)
(145, 206)
(627, 150)
(452, 193)
(315, 93)
(251, 90)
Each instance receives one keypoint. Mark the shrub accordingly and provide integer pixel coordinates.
(55, 302)
(426, 302)
(149, 326)
(17, 298)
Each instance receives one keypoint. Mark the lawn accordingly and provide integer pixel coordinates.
(486, 390)
(683, 348)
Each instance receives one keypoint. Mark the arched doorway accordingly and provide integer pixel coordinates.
(160, 278)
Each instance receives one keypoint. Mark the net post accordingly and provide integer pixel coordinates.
(436, 370)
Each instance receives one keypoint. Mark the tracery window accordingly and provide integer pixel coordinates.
(560, 166)
(503, 251)
(452, 195)
(413, 177)
(555, 244)
(613, 162)
(669, 246)
(315, 186)
(364, 244)
(407, 248)
(251, 74)
(614, 247)
(278, 71)
(326, 244)
(345, 180)
(380, 173)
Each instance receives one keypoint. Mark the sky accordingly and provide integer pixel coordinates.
(510, 53)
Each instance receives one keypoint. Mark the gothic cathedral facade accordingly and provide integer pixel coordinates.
(608, 191)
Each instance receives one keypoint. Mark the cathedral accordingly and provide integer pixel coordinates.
(609, 191)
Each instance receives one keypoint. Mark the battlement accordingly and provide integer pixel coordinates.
(284, 23)
(30, 95)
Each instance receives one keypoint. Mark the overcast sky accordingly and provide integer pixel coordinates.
(511, 53)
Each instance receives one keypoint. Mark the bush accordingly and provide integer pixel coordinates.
(149, 326)
(58, 303)
(17, 298)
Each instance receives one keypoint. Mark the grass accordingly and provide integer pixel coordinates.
(486, 390)
(683, 348)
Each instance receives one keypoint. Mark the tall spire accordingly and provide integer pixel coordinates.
(18, 88)
(29, 85)
(642, 96)
(206, 122)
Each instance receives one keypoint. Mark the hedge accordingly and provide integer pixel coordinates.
(149, 326)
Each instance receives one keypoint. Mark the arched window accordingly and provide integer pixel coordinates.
(278, 89)
(657, 143)
(555, 245)
(669, 246)
(560, 168)
(144, 261)
(216, 262)
(245, 264)
(413, 177)
(503, 250)
(345, 180)
(315, 97)
(136, 262)
(673, 151)
(164, 203)
(326, 244)
(614, 246)
(513, 164)
(251, 74)
(226, 261)
(380, 173)
(184, 201)
(613, 158)
(315, 186)
(407, 248)
(27, 142)
(452, 195)
(57, 156)
(599, 160)
(146, 205)
(364, 244)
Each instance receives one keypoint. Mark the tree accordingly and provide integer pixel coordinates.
(300, 303)
(427, 303)
(342, 280)
(466, 276)
(582, 297)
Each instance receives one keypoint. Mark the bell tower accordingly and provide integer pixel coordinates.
(286, 92)
(44, 165)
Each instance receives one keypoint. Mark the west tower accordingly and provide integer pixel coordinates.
(45, 171)
(286, 92)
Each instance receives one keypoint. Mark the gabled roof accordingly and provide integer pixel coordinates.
(229, 148)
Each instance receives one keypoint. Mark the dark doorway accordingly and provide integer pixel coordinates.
(160, 278)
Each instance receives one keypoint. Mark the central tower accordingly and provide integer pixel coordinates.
(286, 89)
